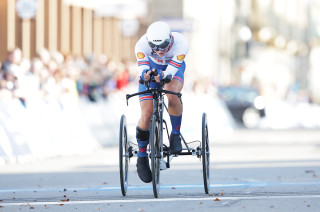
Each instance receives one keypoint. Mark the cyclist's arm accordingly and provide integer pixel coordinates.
(142, 57)
(178, 58)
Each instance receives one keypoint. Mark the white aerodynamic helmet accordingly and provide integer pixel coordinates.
(159, 36)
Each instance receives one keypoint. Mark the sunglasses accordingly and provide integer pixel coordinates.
(162, 47)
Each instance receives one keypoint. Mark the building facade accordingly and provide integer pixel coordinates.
(59, 25)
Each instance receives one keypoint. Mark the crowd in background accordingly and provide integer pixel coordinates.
(63, 78)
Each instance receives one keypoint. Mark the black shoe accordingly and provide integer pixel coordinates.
(143, 169)
(175, 144)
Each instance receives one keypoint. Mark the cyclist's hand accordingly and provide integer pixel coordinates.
(146, 76)
(159, 76)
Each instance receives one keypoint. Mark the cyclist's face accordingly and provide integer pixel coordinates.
(161, 52)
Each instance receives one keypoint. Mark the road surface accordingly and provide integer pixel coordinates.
(251, 170)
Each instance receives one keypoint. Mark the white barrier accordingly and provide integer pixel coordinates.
(283, 115)
(42, 129)
(45, 129)
(13, 142)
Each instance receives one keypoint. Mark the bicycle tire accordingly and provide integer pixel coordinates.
(123, 155)
(155, 155)
(205, 154)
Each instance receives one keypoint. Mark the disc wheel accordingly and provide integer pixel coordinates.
(205, 154)
(155, 156)
(124, 155)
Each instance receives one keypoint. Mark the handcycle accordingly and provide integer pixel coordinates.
(157, 150)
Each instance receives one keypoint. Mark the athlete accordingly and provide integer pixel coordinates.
(162, 50)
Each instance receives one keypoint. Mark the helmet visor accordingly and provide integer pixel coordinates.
(162, 47)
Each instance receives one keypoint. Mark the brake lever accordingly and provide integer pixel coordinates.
(127, 99)
(147, 84)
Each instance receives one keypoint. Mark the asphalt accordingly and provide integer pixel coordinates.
(251, 170)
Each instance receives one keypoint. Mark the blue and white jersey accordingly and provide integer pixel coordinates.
(172, 59)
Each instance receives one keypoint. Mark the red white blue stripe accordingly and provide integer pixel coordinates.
(145, 98)
(175, 64)
(178, 78)
(143, 62)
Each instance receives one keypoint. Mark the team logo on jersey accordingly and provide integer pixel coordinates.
(140, 55)
(180, 57)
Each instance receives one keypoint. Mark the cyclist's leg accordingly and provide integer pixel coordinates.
(175, 109)
(142, 135)
(146, 106)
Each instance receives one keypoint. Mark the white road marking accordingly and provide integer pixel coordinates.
(162, 187)
(220, 198)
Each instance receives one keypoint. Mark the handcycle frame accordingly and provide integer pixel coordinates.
(157, 150)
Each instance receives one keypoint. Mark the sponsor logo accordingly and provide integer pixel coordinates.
(140, 55)
(157, 40)
(180, 57)
(142, 149)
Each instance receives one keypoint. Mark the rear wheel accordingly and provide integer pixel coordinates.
(155, 155)
(124, 155)
(205, 154)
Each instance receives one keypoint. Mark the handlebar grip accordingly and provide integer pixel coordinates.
(152, 74)
(155, 73)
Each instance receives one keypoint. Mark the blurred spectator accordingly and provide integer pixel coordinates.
(63, 78)
(33, 78)
(122, 76)
(13, 59)
(13, 73)
(11, 67)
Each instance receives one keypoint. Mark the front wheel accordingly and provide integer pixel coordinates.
(155, 155)
(124, 155)
(205, 154)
